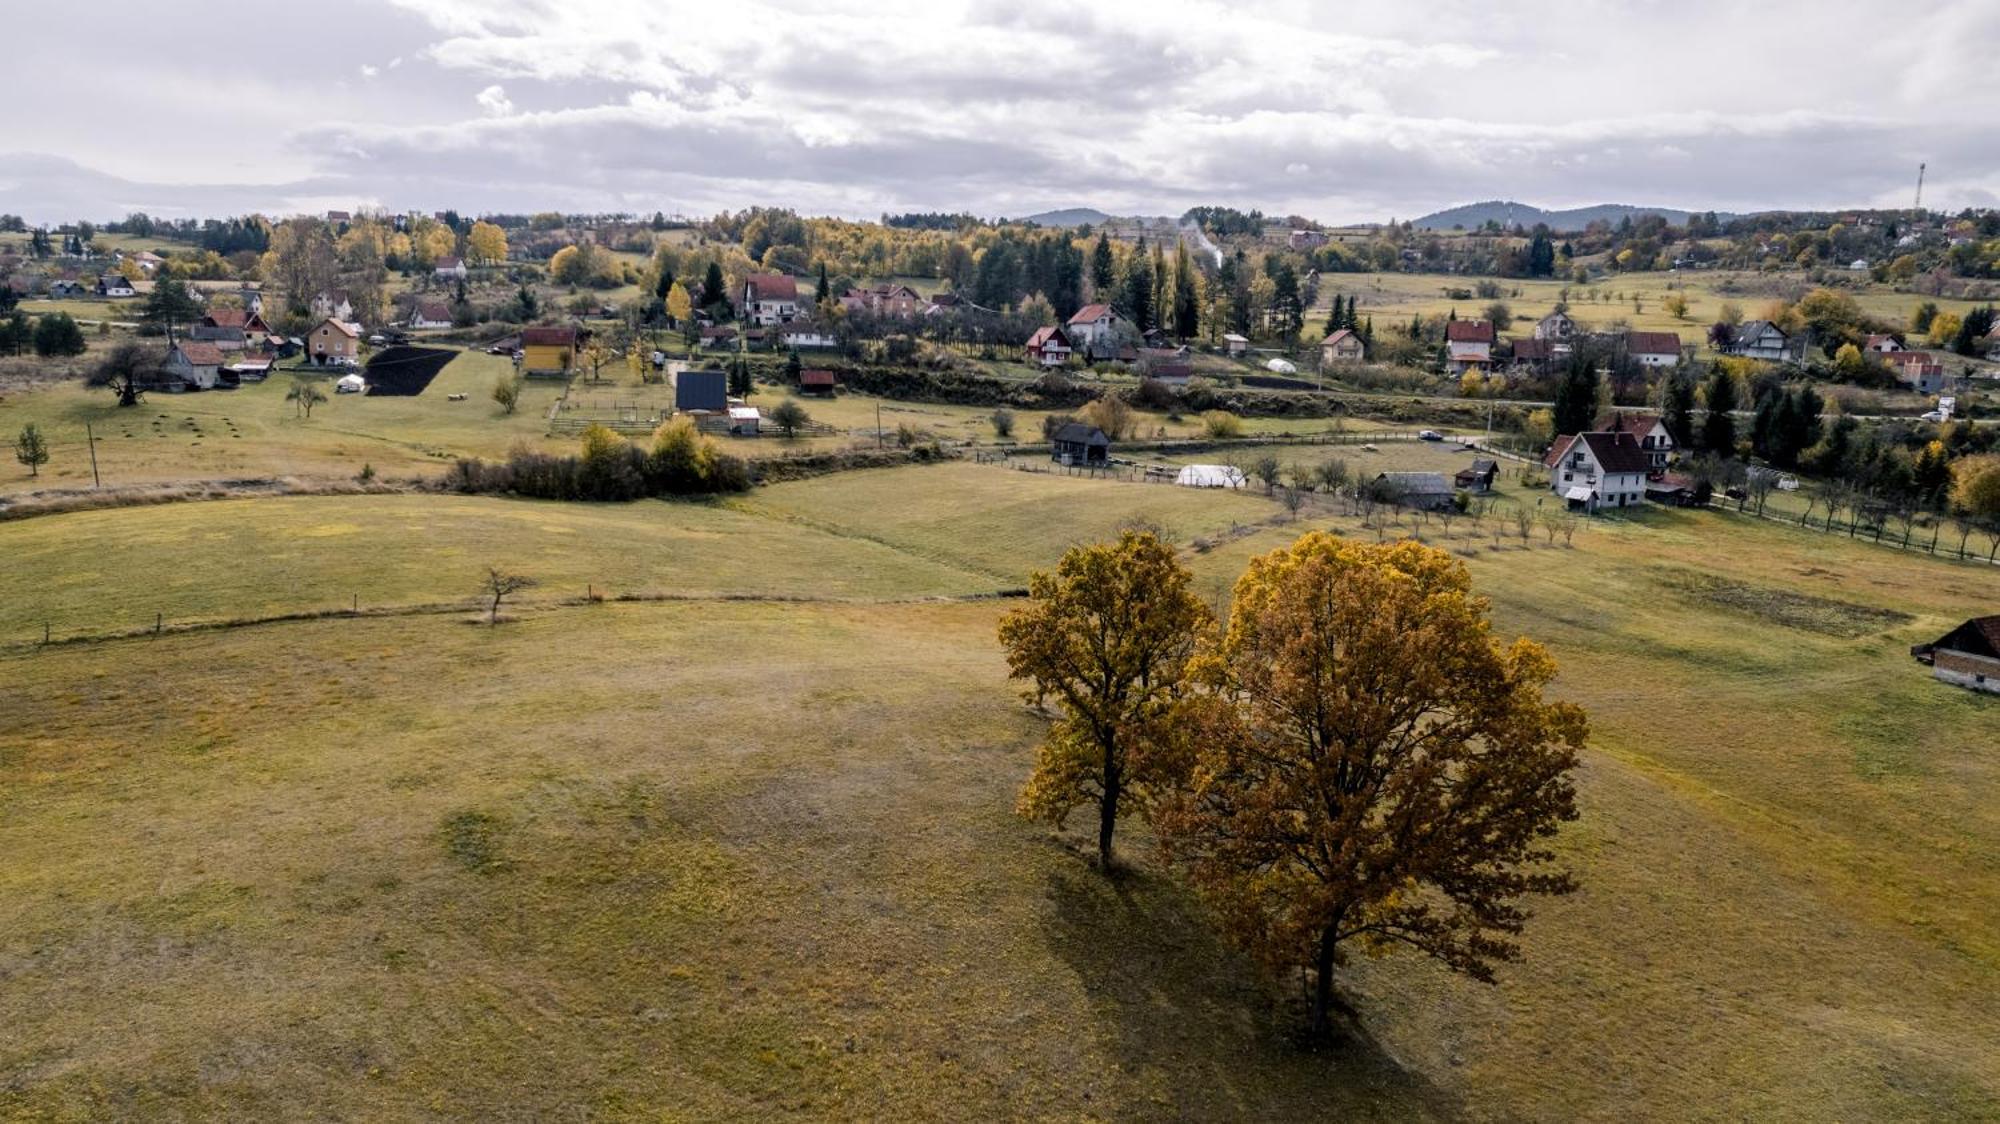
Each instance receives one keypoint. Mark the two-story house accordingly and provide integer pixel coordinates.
(1049, 347)
(1097, 330)
(1648, 429)
(1342, 346)
(770, 298)
(1468, 345)
(1653, 349)
(1761, 339)
(1594, 470)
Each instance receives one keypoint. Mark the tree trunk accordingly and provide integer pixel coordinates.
(1107, 810)
(1322, 1015)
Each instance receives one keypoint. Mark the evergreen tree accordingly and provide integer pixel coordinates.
(1718, 428)
(1334, 321)
(1541, 253)
(822, 288)
(714, 290)
(1187, 299)
(1103, 268)
(1677, 407)
(1287, 309)
(1139, 293)
(1576, 394)
(57, 334)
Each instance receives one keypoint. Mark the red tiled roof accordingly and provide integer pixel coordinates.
(433, 311)
(548, 337)
(814, 377)
(201, 353)
(228, 318)
(1469, 331)
(1653, 343)
(341, 326)
(1534, 349)
(1337, 337)
(1090, 313)
(772, 287)
(1048, 335)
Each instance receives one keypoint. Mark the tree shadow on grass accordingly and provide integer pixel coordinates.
(1173, 1000)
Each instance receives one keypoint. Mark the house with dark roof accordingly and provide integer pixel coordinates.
(1968, 656)
(1534, 355)
(1426, 491)
(1468, 345)
(770, 298)
(429, 315)
(114, 285)
(1761, 339)
(1647, 428)
(1049, 347)
(1594, 470)
(1076, 443)
(1653, 349)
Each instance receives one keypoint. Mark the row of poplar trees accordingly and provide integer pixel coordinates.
(1348, 759)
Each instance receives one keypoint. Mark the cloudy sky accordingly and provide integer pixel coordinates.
(1365, 110)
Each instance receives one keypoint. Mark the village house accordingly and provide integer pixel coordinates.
(1342, 346)
(1558, 330)
(1534, 356)
(1423, 491)
(1968, 656)
(1468, 345)
(1882, 344)
(818, 383)
(1075, 443)
(334, 341)
(898, 301)
(425, 315)
(333, 305)
(1761, 339)
(548, 352)
(254, 332)
(1919, 370)
(190, 365)
(1654, 439)
(1097, 330)
(67, 287)
(449, 268)
(115, 285)
(148, 260)
(770, 298)
(1049, 347)
(1306, 239)
(1653, 349)
(229, 338)
(1594, 470)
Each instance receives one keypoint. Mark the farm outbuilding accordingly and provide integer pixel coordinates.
(1968, 656)
(1079, 444)
(1428, 491)
(701, 392)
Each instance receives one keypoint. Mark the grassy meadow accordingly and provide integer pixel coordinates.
(717, 858)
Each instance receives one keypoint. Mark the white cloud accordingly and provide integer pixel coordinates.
(493, 99)
(368, 71)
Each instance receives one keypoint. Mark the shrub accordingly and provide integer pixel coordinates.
(1221, 424)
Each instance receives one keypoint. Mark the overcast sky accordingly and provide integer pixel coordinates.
(1357, 111)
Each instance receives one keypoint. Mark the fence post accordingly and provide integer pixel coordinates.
(158, 620)
(45, 633)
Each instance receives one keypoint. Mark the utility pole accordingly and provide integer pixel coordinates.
(92, 439)
(878, 425)
(1920, 187)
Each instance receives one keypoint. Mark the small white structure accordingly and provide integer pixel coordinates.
(744, 420)
(1210, 476)
(1281, 367)
(350, 384)
(1237, 344)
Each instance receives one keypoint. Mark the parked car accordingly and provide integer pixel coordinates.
(1932, 416)
(1429, 435)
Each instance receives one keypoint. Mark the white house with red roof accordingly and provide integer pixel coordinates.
(191, 365)
(1594, 470)
(1468, 345)
(449, 269)
(1097, 329)
(770, 298)
(1653, 349)
(1919, 370)
(426, 315)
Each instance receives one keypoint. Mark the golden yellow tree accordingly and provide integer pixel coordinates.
(680, 305)
(486, 243)
(1108, 635)
(1373, 766)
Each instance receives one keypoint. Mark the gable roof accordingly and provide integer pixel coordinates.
(1078, 433)
(1046, 336)
(1638, 423)
(1469, 331)
(1653, 343)
(813, 376)
(1334, 339)
(549, 337)
(1979, 636)
(341, 326)
(1534, 350)
(1418, 483)
(1751, 329)
(1613, 452)
(1091, 313)
(447, 262)
(433, 311)
(200, 353)
(771, 287)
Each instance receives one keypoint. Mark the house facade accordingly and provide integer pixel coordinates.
(1423, 491)
(449, 269)
(1919, 370)
(548, 352)
(1097, 330)
(1597, 470)
(426, 315)
(1468, 345)
(1653, 349)
(770, 298)
(1557, 328)
(115, 285)
(333, 305)
(806, 334)
(1761, 339)
(1049, 347)
(191, 365)
(1968, 656)
(334, 341)
(1342, 346)
(1654, 439)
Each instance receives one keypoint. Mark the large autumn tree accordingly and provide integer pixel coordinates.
(1108, 635)
(1374, 768)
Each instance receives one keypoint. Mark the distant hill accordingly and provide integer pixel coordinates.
(1507, 213)
(1074, 216)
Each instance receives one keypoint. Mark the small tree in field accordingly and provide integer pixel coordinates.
(500, 585)
(789, 417)
(125, 371)
(507, 392)
(1374, 768)
(1003, 422)
(1108, 634)
(31, 448)
(304, 395)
